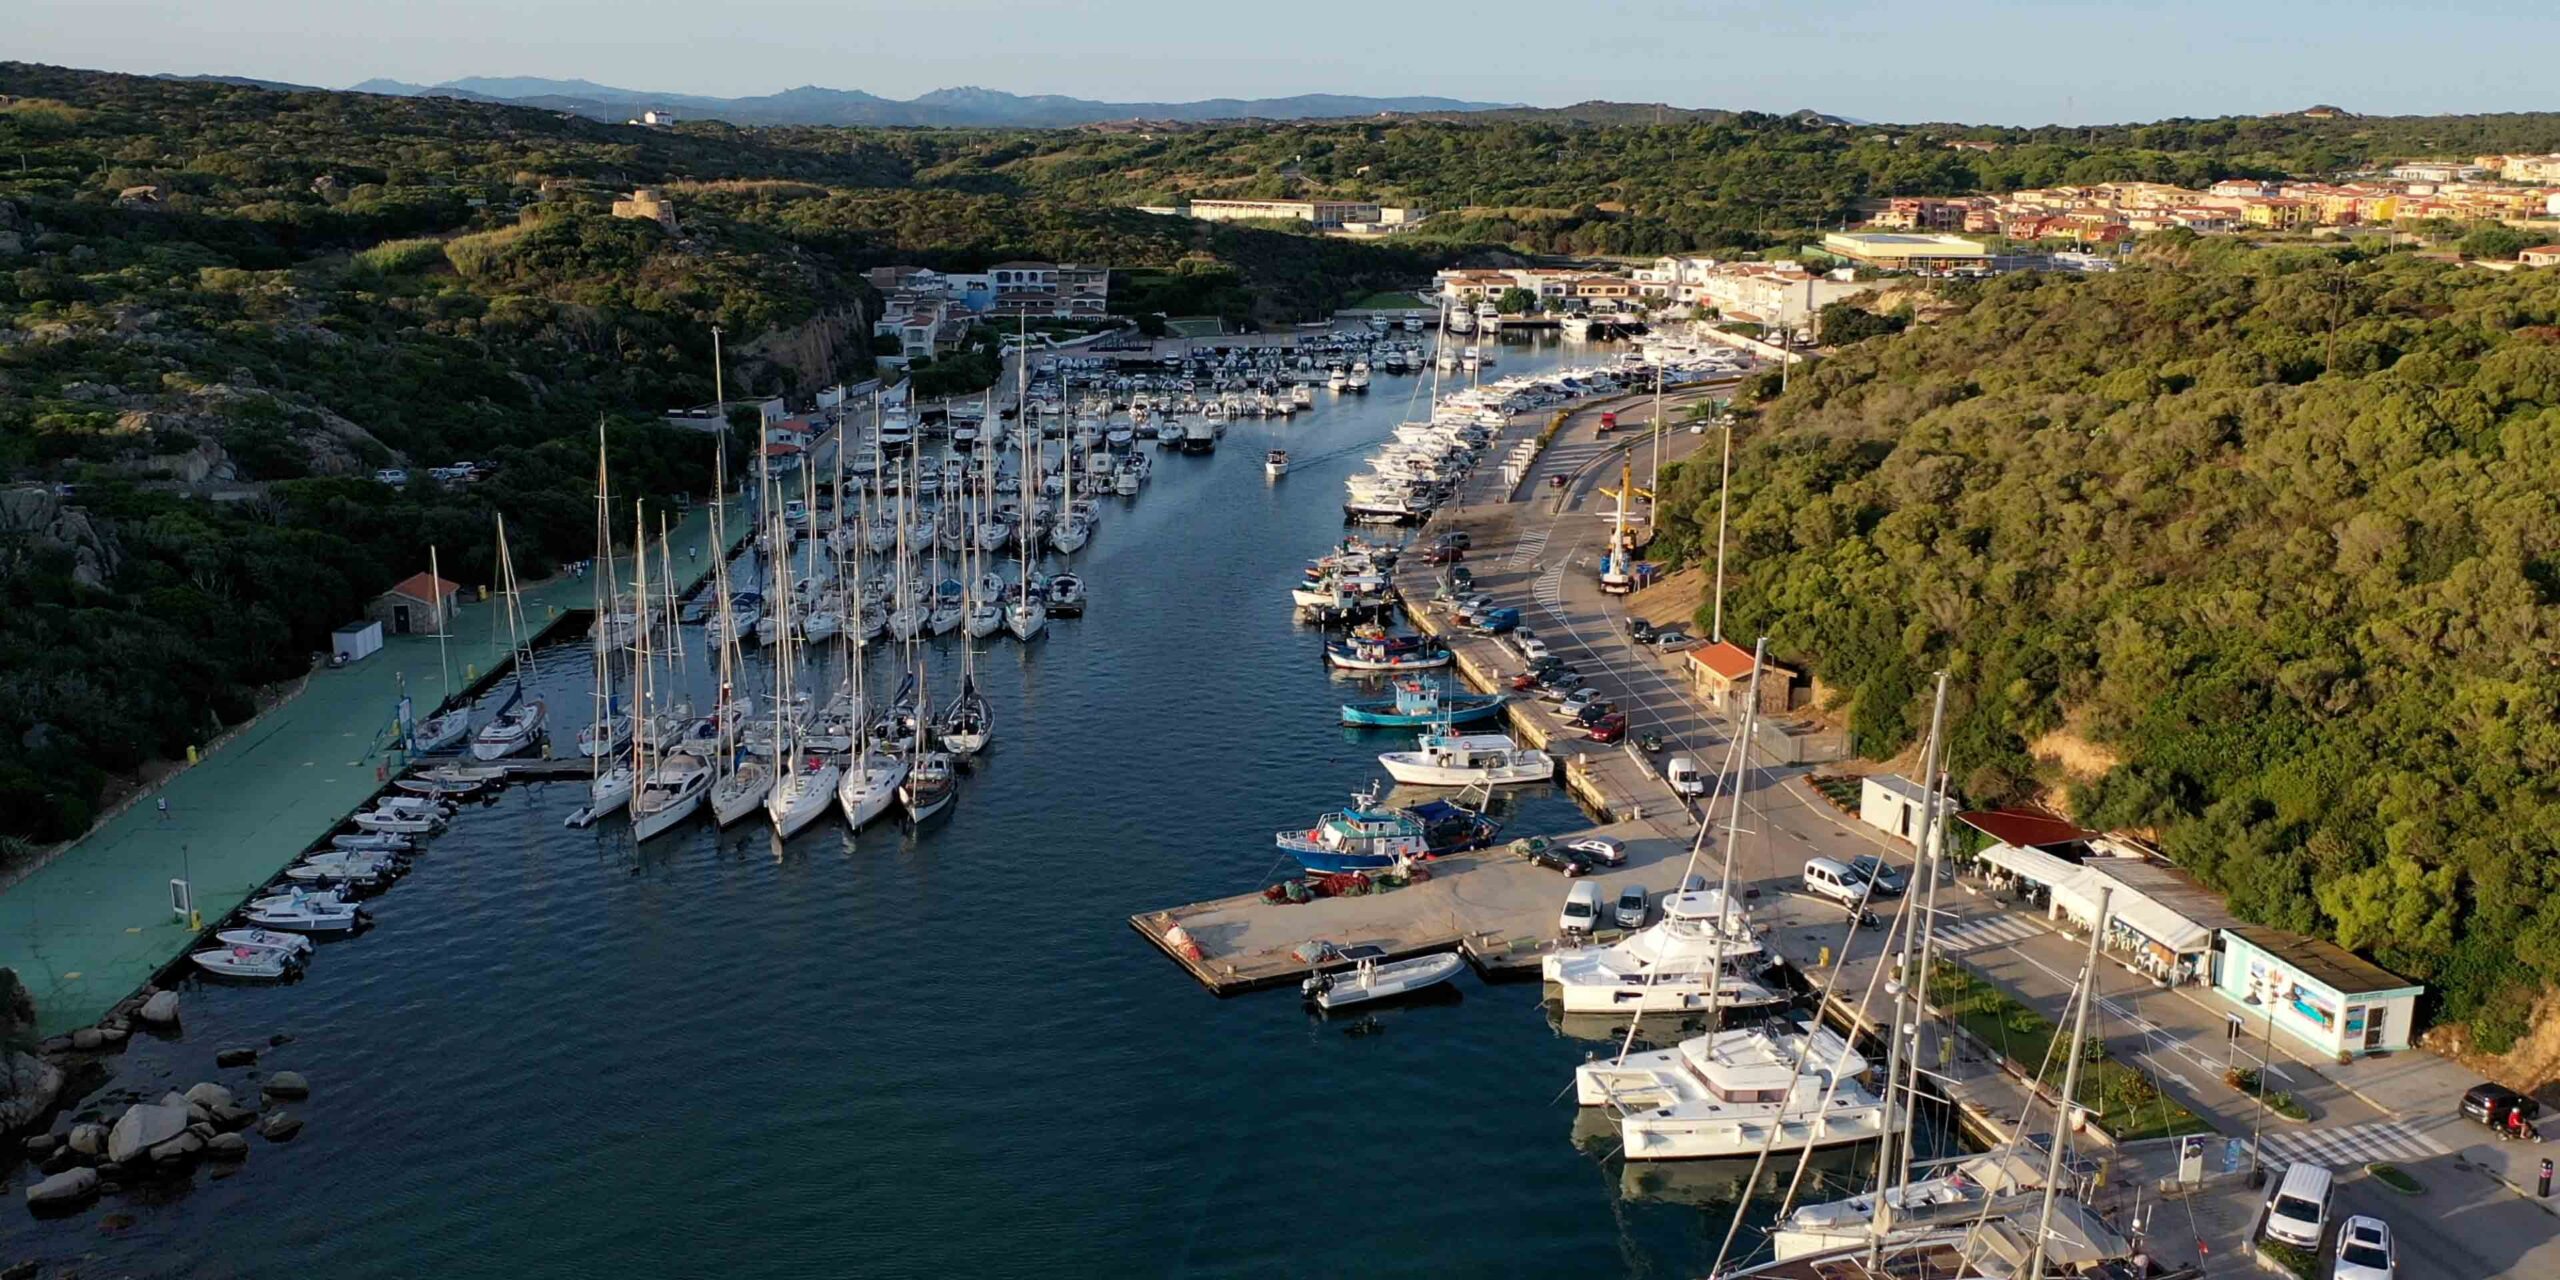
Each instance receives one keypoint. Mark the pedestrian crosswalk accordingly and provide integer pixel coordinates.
(1531, 546)
(2355, 1144)
(1548, 591)
(1985, 931)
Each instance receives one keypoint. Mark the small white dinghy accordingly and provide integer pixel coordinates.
(1372, 981)
(399, 822)
(292, 944)
(347, 865)
(260, 963)
(374, 842)
(302, 912)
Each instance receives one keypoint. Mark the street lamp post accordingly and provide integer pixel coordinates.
(2257, 1122)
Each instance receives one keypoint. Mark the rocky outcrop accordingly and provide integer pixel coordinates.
(161, 1010)
(287, 1084)
(40, 521)
(143, 1127)
(279, 1126)
(806, 357)
(29, 1086)
(64, 1189)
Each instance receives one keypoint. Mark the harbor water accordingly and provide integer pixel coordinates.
(926, 1053)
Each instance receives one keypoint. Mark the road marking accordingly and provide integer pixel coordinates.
(2354, 1145)
(1985, 931)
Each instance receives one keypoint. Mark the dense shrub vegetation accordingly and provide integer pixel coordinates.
(2276, 527)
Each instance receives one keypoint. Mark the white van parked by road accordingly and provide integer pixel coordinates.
(1825, 878)
(2298, 1213)
(1581, 908)
(1682, 773)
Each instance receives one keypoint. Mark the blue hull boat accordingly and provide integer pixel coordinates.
(1367, 837)
(1421, 705)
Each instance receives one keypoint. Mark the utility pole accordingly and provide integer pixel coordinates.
(1724, 507)
(2070, 1081)
(1655, 483)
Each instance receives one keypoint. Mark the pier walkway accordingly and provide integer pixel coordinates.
(96, 921)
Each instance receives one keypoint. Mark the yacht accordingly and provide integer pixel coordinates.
(1699, 956)
(514, 730)
(1720, 1094)
(745, 787)
(802, 794)
(673, 793)
(929, 786)
(868, 787)
(1467, 759)
(1275, 464)
(1358, 378)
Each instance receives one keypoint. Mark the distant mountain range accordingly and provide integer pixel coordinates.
(810, 104)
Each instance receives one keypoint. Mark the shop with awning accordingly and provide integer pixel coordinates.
(2152, 935)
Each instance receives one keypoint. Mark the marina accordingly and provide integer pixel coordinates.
(582, 949)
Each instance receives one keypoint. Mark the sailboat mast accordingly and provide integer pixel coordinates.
(435, 583)
(2070, 1080)
(1904, 998)
(643, 719)
(604, 618)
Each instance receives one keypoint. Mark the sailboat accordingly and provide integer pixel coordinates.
(741, 781)
(672, 782)
(1028, 615)
(610, 731)
(931, 781)
(807, 782)
(520, 724)
(437, 732)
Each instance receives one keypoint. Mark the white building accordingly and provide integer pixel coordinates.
(1893, 804)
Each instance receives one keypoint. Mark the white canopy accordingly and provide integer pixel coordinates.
(2133, 909)
(2031, 864)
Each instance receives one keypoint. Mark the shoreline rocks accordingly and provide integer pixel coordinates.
(64, 1189)
(143, 1127)
(160, 1010)
(279, 1126)
(286, 1084)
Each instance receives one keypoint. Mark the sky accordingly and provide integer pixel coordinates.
(1975, 61)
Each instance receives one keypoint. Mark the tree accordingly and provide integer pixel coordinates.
(2495, 240)
(1516, 301)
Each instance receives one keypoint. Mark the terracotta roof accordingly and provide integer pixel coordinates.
(420, 586)
(2024, 828)
(1725, 658)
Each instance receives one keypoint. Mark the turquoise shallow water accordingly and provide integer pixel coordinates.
(920, 1056)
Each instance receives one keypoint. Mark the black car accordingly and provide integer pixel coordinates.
(1595, 713)
(1641, 630)
(2490, 1103)
(1889, 882)
(1556, 857)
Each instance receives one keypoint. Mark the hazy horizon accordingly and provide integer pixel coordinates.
(1972, 61)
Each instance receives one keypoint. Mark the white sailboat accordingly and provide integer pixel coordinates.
(806, 782)
(672, 783)
(438, 732)
(519, 726)
(739, 784)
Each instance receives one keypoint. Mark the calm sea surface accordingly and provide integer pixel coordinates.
(903, 1055)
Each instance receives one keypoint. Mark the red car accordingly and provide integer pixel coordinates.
(1610, 729)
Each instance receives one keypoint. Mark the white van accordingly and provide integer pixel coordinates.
(2298, 1213)
(1581, 908)
(1682, 773)
(1825, 878)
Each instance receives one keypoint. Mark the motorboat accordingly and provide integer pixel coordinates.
(1065, 595)
(673, 791)
(304, 911)
(1420, 703)
(1366, 836)
(870, 786)
(929, 786)
(292, 944)
(344, 866)
(401, 822)
(741, 790)
(258, 963)
(1722, 1094)
(382, 841)
(1275, 463)
(1379, 652)
(1467, 759)
(801, 794)
(514, 730)
(1372, 980)
(1701, 955)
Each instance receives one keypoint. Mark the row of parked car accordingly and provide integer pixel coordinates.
(450, 473)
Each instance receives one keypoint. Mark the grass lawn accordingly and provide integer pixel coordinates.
(1389, 302)
(2128, 1105)
(1193, 326)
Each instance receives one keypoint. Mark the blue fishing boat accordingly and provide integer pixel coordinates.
(1421, 704)
(1368, 837)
